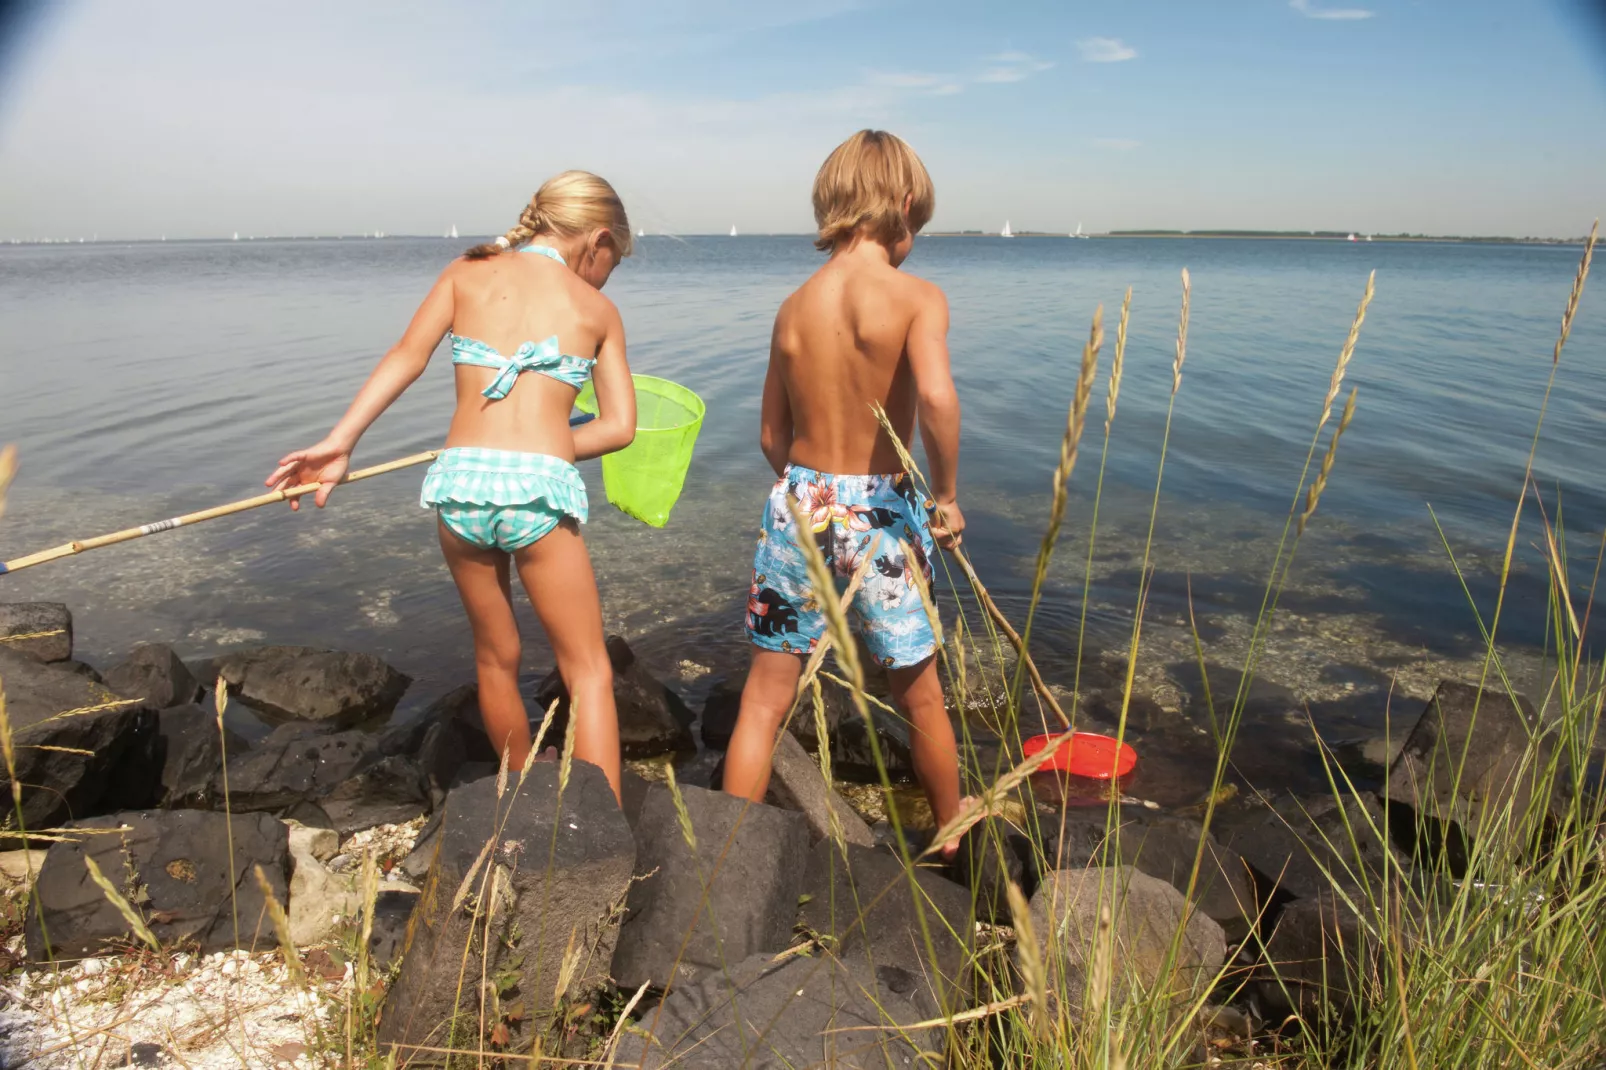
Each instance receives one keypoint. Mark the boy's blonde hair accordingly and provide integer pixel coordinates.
(574, 202)
(861, 188)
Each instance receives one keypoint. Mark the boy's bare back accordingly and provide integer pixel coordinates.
(858, 331)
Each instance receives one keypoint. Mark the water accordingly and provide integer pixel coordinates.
(141, 381)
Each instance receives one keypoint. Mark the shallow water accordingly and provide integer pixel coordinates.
(140, 381)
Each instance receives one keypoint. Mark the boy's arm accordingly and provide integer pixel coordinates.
(775, 427)
(937, 404)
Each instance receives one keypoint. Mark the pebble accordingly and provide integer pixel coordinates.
(91, 967)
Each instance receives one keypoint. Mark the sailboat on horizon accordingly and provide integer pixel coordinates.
(733, 230)
(1078, 233)
(1006, 232)
(453, 232)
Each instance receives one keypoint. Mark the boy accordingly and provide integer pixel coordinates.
(858, 331)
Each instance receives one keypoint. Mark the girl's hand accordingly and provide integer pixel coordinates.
(325, 464)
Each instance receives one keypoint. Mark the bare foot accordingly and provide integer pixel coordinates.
(951, 851)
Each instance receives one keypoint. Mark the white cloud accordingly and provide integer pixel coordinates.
(937, 85)
(1311, 11)
(1116, 144)
(1012, 67)
(1106, 50)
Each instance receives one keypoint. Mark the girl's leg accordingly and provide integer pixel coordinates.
(482, 582)
(556, 573)
(766, 698)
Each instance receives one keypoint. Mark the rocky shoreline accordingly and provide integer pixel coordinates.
(503, 906)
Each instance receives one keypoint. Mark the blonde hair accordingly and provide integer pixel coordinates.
(569, 204)
(861, 189)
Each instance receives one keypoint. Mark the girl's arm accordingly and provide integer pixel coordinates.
(775, 430)
(615, 425)
(326, 462)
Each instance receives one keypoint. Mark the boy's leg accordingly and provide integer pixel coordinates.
(482, 582)
(766, 698)
(917, 690)
(556, 573)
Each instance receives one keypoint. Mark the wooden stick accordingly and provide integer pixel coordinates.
(68, 549)
(1014, 637)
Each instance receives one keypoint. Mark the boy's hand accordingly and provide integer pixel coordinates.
(325, 463)
(947, 522)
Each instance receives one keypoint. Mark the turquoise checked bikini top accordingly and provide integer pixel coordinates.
(543, 357)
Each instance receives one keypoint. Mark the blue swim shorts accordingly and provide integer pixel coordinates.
(851, 519)
(502, 499)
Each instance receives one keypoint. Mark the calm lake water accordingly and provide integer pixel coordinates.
(141, 381)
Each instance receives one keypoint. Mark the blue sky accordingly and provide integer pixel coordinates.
(198, 118)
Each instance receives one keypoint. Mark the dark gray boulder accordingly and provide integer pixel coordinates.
(174, 867)
(154, 673)
(346, 775)
(1303, 846)
(863, 898)
(191, 752)
(549, 872)
(1316, 957)
(100, 744)
(393, 910)
(653, 720)
(988, 860)
(50, 623)
(853, 755)
(1161, 845)
(796, 783)
(303, 684)
(1464, 761)
(733, 895)
(764, 1015)
(1145, 914)
(724, 703)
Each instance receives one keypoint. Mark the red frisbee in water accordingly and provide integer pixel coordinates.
(1086, 754)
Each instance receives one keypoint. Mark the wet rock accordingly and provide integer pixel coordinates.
(988, 860)
(190, 752)
(49, 622)
(862, 897)
(1491, 732)
(852, 754)
(763, 1015)
(345, 775)
(1161, 845)
(1290, 841)
(725, 702)
(653, 720)
(1145, 914)
(175, 865)
(393, 909)
(154, 673)
(556, 870)
(735, 893)
(303, 684)
(85, 771)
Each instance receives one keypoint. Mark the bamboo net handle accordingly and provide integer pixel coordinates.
(1009, 631)
(127, 534)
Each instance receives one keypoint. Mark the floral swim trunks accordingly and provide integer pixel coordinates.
(851, 519)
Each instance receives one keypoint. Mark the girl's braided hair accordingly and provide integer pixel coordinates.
(568, 204)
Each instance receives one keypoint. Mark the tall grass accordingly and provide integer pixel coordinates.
(1487, 957)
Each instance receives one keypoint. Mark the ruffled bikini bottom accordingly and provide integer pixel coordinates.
(503, 499)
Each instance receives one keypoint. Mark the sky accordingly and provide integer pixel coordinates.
(194, 118)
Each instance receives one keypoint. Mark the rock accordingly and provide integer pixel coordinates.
(393, 909)
(988, 675)
(762, 1015)
(19, 868)
(732, 896)
(632, 793)
(317, 896)
(653, 720)
(49, 622)
(987, 861)
(861, 897)
(343, 774)
(725, 703)
(851, 752)
(1161, 845)
(552, 879)
(1145, 913)
(86, 774)
(154, 673)
(144, 1054)
(302, 684)
(798, 784)
(175, 866)
(1492, 733)
(1317, 952)
(321, 844)
(1289, 841)
(190, 752)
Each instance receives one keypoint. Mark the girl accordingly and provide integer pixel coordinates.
(528, 325)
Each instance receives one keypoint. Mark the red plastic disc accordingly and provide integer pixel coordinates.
(1086, 754)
